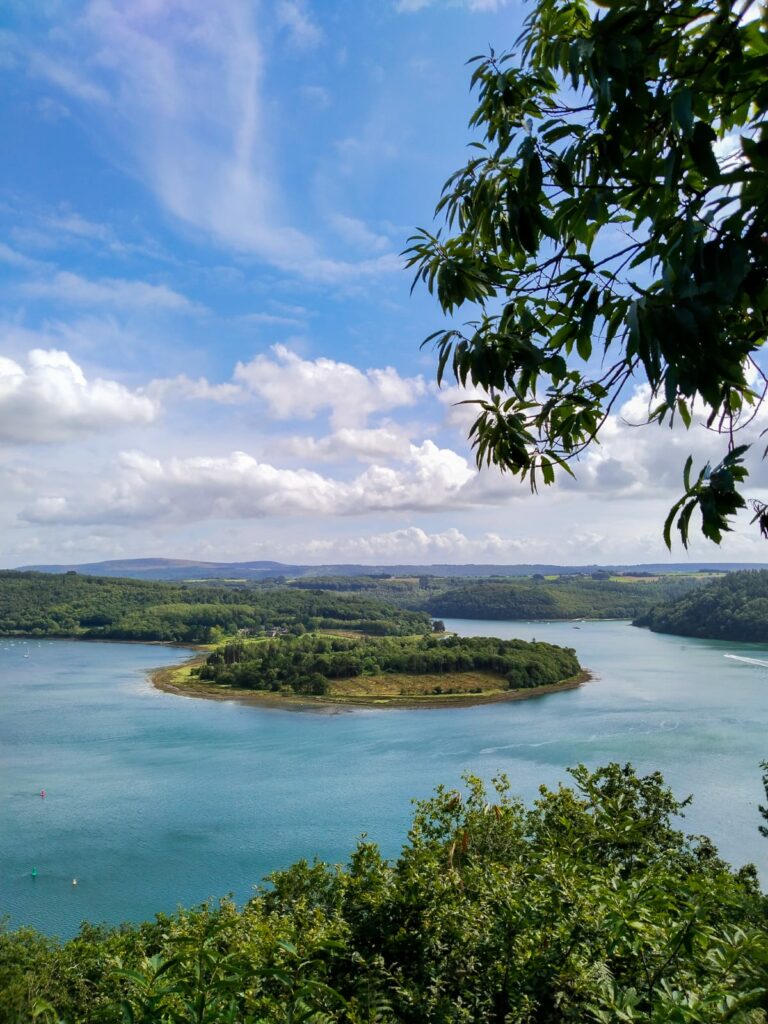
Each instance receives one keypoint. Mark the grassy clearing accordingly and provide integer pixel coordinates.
(354, 634)
(178, 675)
(397, 685)
(367, 691)
(635, 579)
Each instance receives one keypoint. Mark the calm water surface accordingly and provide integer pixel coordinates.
(155, 800)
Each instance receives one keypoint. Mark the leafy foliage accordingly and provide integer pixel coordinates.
(587, 907)
(41, 604)
(732, 608)
(565, 598)
(594, 595)
(611, 225)
(306, 664)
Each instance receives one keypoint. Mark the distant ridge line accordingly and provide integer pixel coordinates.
(183, 569)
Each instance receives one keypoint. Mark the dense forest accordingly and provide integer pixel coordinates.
(69, 604)
(306, 664)
(588, 907)
(599, 596)
(732, 608)
(97, 607)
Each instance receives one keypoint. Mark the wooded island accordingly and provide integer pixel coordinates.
(427, 669)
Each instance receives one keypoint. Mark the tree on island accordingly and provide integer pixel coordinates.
(611, 227)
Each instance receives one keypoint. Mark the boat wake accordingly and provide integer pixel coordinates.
(749, 661)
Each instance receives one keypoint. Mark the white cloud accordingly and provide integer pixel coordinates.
(271, 319)
(355, 232)
(413, 544)
(294, 16)
(52, 400)
(366, 444)
(200, 389)
(79, 291)
(69, 78)
(296, 388)
(71, 223)
(640, 460)
(238, 486)
(177, 89)
(634, 459)
(182, 86)
(461, 409)
(478, 6)
(330, 271)
(16, 259)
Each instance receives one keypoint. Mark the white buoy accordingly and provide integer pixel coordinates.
(74, 881)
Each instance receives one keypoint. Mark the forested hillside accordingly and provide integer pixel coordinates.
(589, 906)
(42, 604)
(37, 604)
(732, 608)
(307, 664)
(563, 597)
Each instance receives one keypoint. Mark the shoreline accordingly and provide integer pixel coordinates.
(164, 679)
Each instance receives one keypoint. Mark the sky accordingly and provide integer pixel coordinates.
(209, 348)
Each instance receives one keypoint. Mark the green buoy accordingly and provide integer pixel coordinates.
(34, 872)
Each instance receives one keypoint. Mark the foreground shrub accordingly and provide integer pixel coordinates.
(589, 906)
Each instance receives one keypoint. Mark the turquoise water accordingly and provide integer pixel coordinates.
(155, 800)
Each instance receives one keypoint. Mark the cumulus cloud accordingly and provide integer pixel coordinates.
(296, 388)
(635, 459)
(114, 291)
(461, 409)
(238, 486)
(365, 443)
(200, 389)
(51, 400)
(415, 545)
(640, 460)
(411, 544)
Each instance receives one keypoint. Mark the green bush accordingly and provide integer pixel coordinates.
(590, 906)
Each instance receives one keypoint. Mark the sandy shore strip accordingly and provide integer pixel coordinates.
(172, 680)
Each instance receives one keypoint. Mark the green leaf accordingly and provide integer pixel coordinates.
(682, 110)
(702, 154)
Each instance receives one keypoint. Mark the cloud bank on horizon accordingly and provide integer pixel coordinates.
(207, 343)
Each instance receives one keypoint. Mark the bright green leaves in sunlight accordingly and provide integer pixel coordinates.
(611, 227)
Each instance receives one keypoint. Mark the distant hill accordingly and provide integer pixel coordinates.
(186, 569)
(172, 569)
(732, 608)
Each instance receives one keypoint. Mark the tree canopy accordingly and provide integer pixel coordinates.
(610, 228)
(101, 607)
(589, 906)
(734, 607)
(305, 664)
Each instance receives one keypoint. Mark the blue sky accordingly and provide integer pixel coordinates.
(209, 348)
